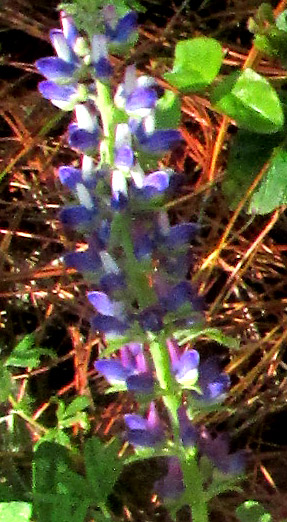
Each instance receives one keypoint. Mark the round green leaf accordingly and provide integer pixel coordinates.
(197, 62)
(251, 101)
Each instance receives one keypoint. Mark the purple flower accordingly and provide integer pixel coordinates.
(140, 98)
(112, 282)
(71, 177)
(77, 217)
(63, 96)
(83, 140)
(179, 295)
(55, 69)
(85, 261)
(180, 234)
(62, 67)
(84, 135)
(103, 304)
(62, 46)
(110, 326)
(131, 370)
(119, 31)
(100, 58)
(137, 96)
(111, 318)
(69, 29)
(184, 365)
(171, 486)
(158, 141)
(145, 432)
(151, 319)
(124, 155)
(155, 184)
(213, 383)
(217, 450)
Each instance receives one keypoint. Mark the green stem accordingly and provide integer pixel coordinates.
(194, 488)
(137, 277)
(106, 107)
(41, 430)
(165, 379)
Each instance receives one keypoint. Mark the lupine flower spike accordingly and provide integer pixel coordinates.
(135, 261)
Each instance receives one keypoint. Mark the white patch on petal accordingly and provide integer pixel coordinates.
(189, 379)
(61, 46)
(119, 182)
(110, 266)
(85, 119)
(149, 123)
(130, 82)
(88, 167)
(84, 196)
(146, 81)
(99, 48)
(119, 98)
(123, 135)
(137, 175)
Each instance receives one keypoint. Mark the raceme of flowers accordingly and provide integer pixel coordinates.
(136, 262)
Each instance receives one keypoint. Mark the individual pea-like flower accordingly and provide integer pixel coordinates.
(112, 318)
(171, 486)
(124, 154)
(212, 382)
(99, 57)
(152, 140)
(64, 97)
(145, 432)
(131, 370)
(184, 364)
(119, 30)
(61, 86)
(137, 96)
(85, 132)
(217, 449)
(61, 68)
(188, 432)
(78, 217)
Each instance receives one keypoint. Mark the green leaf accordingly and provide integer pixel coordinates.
(196, 64)
(252, 511)
(77, 405)
(26, 354)
(15, 511)
(190, 334)
(60, 494)
(103, 467)
(272, 190)
(251, 101)
(6, 383)
(168, 111)
(247, 156)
